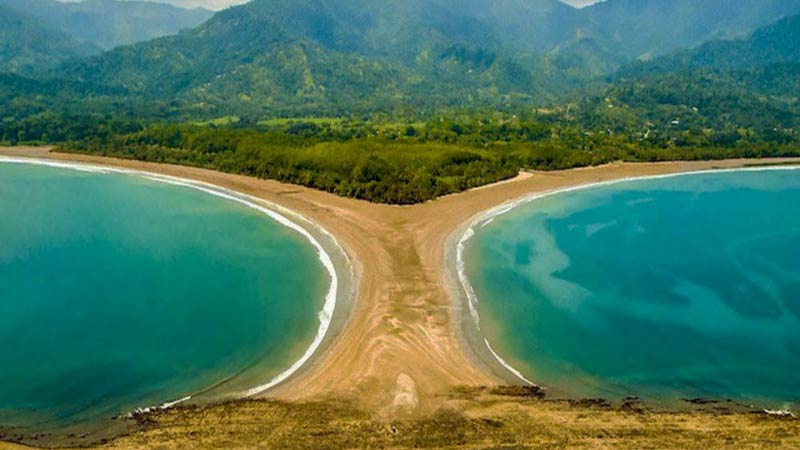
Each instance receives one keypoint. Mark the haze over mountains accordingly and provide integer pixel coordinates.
(405, 100)
(314, 55)
(648, 28)
(773, 44)
(214, 5)
(83, 28)
(746, 84)
(26, 46)
(323, 57)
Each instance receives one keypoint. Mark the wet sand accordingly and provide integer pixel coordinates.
(403, 347)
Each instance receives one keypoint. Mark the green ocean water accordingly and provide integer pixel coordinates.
(118, 292)
(681, 287)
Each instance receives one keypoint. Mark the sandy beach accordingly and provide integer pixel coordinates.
(403, 348)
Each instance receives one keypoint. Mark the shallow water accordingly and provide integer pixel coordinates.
(680, 287)
(118, 292)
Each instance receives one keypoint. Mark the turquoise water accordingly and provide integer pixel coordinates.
(117, 292)
(682, 287)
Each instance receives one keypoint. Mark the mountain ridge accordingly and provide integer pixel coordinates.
(27, 47)
(315, 57)
(510, 50)
(772, 44)
(110, 23)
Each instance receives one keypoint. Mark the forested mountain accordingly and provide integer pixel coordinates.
(26, 46)
(643, 29)
(773, 44)
(299, 57)
(110, 23)
(325, 56)
(401, 101)
(763, 65)
(723, 90)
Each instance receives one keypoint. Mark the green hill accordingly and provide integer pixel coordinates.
(279, 56)
(773, 44)
(402, 101)
(304, 57)
(766, 63)
(721, 92)
(26, 46)
(643, 29)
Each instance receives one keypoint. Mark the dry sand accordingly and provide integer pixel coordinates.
(400, 352)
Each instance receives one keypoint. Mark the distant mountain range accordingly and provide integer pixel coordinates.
(742, 85)
(332, 57)
(304, 56)
(26, 46)
(774, 44)
(80, 29)
(643, 29)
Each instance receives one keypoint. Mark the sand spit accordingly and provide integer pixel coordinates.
(406, 333)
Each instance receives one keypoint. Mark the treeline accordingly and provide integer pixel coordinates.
(49, 128)
(404, 158)
(374, 170)
(403, 167)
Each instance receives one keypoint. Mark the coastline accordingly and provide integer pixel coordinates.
(402, 352)
(338, 301)
(464, 294)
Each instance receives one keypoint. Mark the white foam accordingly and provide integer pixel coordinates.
(41, 162)
(486, 217)
(507, 365)
(162, 407)
(329, 307)
(780, 413)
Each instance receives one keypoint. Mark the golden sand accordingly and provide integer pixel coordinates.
(400, 356)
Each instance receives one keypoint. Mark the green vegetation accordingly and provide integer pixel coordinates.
(26, 46)
(466, 417)
(276, 58)
(375, 169)
(413, 100)
(105, 24)
(410, 163)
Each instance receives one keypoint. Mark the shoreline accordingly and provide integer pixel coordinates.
(402, 353)
(337, 304)
(463, 293)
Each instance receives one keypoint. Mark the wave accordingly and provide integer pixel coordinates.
(485, 218)
(277, 213)
(508, 366)
(161, 407)
(780, 413)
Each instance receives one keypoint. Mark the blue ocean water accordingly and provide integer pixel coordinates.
(117, 292)
(681, 287)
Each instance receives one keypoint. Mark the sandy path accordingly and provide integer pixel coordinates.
(400, 349)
